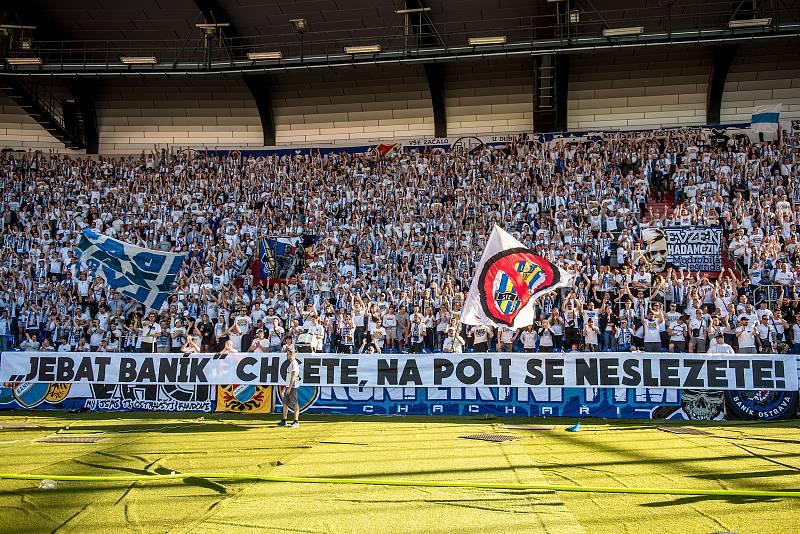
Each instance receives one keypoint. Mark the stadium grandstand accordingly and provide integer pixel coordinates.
(219, 215)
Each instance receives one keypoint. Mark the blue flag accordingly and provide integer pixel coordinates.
(147, 276)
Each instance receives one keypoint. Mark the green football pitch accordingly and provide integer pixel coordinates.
(738, 457)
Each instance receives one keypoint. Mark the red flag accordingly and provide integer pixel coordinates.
(383, 148)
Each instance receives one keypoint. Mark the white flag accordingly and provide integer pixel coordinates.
(508, 281)
(765, 119)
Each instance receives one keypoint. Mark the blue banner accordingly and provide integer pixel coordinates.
(609, 403)
(147, 276)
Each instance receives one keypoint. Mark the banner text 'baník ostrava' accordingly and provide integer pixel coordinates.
(577, 370)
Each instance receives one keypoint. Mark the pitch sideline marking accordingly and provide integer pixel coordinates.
(766, 494)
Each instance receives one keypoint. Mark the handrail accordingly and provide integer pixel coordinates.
(49, 103)
(769, 293)
(547, 31)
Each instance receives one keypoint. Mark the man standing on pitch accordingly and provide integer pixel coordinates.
(292, 379)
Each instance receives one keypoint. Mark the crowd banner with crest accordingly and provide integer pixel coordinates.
(472, 386)
(509, 280)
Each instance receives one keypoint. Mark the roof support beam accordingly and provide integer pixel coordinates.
(723, 56)
(261, 88)
(259, 84)
(435, 74)
(84, 92)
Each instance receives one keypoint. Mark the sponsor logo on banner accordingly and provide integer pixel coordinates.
(761, 404)
(57, 393)
(6, 394)
(30, 394)
(509, 279)
(244, 398)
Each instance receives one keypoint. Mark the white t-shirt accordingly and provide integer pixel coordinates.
(378, 336)
(720, 348)
(293, 367)
(745, 335)
(150, 332)
(652, 331)
(590, 335)
(528, 339)
(506, 334)
(243, 322)
(260, 345)
(452, 345)
(678, 331)
(480, 334)
(317, 331)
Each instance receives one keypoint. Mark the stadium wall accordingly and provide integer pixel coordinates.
(489, 97)
(351, 106)
(638, 88)
(762, 75)
(620, 89)
(134, 114)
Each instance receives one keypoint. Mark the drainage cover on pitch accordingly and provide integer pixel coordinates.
(683, 430)
(529, 427)
(491, 437)
(72, 439)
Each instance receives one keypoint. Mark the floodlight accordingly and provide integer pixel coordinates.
(138, 60)
(477, 41)
(365, 49)
(256, 56)
(24, 60)
(623, 32)
(749, 23)
(299, 25)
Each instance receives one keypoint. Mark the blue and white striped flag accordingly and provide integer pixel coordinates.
(765, 119)
(147, 276)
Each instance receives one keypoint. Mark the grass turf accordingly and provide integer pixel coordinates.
(745, 455)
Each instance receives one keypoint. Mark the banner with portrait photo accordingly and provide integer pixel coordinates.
(696, 248)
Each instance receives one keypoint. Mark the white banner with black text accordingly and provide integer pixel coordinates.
(577, 370)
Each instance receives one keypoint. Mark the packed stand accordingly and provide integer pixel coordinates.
(401, 237)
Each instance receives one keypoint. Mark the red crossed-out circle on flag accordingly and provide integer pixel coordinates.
(509, 280)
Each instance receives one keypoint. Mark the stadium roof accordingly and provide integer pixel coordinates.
(93, 36)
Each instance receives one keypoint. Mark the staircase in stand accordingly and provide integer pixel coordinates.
(657, 209)
(60, 118)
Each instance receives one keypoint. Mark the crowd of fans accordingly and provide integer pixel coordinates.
(401, 235)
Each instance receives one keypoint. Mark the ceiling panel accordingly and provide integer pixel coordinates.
(336, 21)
